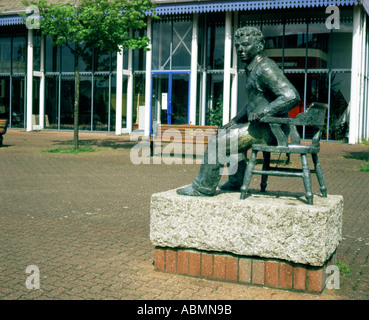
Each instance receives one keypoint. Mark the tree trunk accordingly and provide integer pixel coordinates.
(76, 102)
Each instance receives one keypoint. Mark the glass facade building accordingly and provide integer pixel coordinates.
(191, 72)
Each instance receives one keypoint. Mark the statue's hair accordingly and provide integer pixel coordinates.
(256, 34)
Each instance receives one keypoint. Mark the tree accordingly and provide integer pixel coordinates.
(102, 25)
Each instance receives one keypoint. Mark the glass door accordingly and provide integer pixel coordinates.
(170, 98)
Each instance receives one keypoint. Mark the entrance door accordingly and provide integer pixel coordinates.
(170, 97)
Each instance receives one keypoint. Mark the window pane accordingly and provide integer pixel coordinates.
(340, 98)
(161, 45)
(215, 41)
(318, 44)
(36, 101)
(214, 88)
(138, 95)
(101, 61)
(36, 50)
(85, 104)
(52, 57)
(113, 93)
(4, 97)
(67, 103)
(181, 49)
(85, 62)
(101, 103)
(51, 102)
(295, 46)
(18, 87)
(139, 56)
(67, 60)
(19, 54)
(5, 54)
(342, 46)
(124, 102)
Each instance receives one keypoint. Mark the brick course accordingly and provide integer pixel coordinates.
(246, 270)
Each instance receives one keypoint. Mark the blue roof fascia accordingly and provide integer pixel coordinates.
(11, 20)
(221, 6)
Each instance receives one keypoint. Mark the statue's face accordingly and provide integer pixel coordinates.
(246, 49)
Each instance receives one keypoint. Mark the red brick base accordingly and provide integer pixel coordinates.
(244, 270)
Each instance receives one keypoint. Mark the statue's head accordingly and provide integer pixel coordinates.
(249, 42)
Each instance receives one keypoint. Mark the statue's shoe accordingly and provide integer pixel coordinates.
(229, 186)
(190, 191)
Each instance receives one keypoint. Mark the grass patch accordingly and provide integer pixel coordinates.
(344, 269)
(72, 150)
(364, 167)
(364, 142)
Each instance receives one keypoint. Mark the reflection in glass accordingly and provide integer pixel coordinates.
(160, 90)
(36, 50)
(18, 101)
(5, 54)
(214, 98)
(67, 103)
(124, 101)
(85, 103)
(161, 44)
(36, 101)
(101, 103)
(172, 44)
(179, 99)
(52, 57)
(113, 93)
(51, 102)
(318, 46)
(138, 95)
(19, 54)
(4, 97)
(67, 60)
(215, 41)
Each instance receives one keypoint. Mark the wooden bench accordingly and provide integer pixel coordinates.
(184, 133)
(3, 127)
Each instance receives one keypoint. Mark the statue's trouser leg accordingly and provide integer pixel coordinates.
(210, 172)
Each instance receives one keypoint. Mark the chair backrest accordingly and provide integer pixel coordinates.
(313, 116)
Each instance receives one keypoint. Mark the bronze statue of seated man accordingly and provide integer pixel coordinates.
(268, 93)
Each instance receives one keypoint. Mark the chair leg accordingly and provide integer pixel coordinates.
(266, 166)
(307, 179)
(248, 174)
(319, 174)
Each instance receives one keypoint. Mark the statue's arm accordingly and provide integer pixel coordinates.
(241, 117)
(286, 96)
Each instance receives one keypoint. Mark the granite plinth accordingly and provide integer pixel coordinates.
(264, 225)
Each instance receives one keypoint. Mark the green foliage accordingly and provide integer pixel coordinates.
(364, 167)
(215, 115)
(344, 269)
(94, 23)
(364, 142)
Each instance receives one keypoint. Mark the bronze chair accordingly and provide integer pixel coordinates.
(314, 116)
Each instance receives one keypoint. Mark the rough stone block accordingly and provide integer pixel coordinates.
(268, 226)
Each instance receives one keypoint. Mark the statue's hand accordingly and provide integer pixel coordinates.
(255, 116)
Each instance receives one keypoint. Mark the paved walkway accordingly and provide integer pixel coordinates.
(83, 220)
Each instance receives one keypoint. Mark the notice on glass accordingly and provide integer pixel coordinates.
(164, 101)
